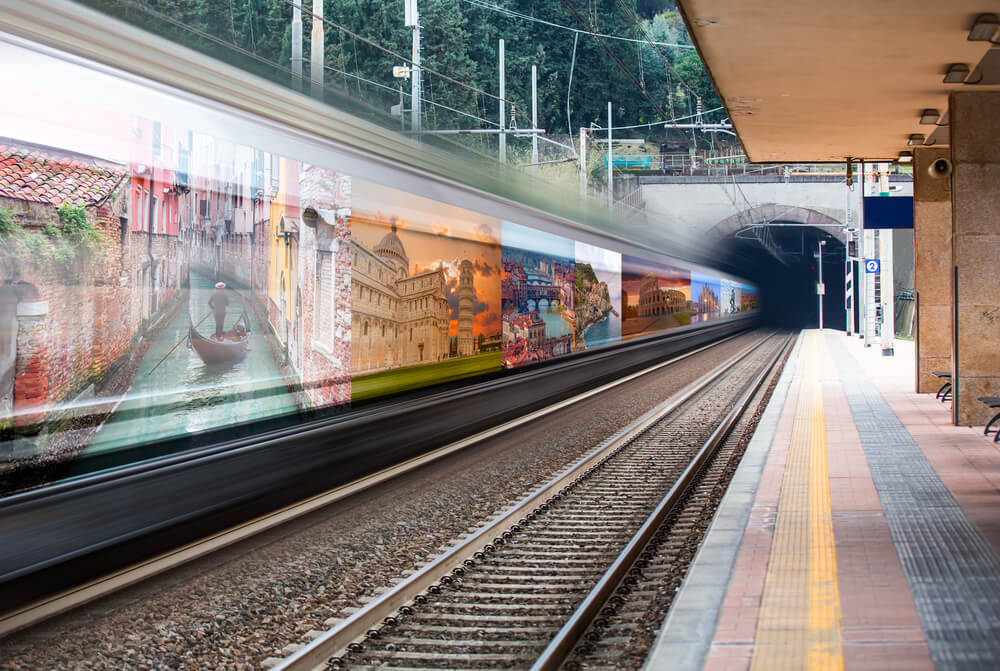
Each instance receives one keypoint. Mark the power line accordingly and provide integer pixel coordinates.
(376, 45)
(528, 17)
(408, 95)
(621, 66)
(649, 40)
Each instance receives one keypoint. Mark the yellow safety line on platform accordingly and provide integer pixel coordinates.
(799, 623)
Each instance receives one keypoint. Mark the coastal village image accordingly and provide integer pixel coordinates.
(654, 297)
(538, 288)
(425, 292)
(598, 296)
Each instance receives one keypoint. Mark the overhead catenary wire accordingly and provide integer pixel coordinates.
(395, 54)
(656, 123)
(578, 31)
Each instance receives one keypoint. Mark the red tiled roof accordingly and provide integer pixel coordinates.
(46, 176)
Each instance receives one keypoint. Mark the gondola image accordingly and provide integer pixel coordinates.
(228, 351)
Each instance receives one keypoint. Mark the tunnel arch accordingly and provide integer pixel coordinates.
(776, 213)
(782, 261)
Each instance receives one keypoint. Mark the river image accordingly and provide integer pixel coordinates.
(555, 325)
(183, 395)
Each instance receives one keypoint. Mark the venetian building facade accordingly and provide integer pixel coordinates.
(466, 307)
(397, 319)
(656, 301)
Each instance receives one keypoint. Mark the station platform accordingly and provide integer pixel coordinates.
(861, 530)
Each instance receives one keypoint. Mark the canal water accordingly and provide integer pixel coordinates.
(184, 395)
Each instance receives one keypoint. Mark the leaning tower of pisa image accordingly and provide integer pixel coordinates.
(466, 303)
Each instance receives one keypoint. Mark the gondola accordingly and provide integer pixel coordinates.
(227, 352)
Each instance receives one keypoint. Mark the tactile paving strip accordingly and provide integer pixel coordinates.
(953, 573)
(799, 625)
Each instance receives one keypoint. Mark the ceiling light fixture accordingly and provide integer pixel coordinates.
(915, 139)
(984, 28)
(929, 117)
(957, 72)
(905, 157)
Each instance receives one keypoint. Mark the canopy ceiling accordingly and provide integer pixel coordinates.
(819, 81)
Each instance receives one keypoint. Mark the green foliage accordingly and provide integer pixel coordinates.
(63, 241)
(460, 40)
(76, 228)
(8, 226)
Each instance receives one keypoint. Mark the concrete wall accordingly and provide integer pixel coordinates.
(975, 149)
(932, 269)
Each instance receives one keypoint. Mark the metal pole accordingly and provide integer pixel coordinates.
(611, 187)
(820, 289)
(503, 110)
(583, 162)
(848, 267)
(316, 51)
(416, 121)
(888, 293)
(297, 46)
(534, 119)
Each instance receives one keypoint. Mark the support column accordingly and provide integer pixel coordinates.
(975, 151)
(932, 270)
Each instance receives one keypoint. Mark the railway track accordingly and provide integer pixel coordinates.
(36, 612)
(556, 567)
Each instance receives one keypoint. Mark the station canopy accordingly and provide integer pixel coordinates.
(821, 80)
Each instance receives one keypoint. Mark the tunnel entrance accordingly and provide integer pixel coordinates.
(781, 258)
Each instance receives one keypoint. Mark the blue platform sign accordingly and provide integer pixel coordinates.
(872, 266)
(888, 211)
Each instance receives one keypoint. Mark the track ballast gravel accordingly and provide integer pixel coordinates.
(239, 606)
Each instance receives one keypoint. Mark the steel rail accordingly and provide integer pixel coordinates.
(62, 602)
(363, 621)
(564, 642)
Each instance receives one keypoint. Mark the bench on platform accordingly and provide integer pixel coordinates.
(944, 393)
(992, 402)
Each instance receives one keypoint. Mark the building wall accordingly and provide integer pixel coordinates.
(325, 353)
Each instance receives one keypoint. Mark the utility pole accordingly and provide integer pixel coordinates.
(583, 162)
(611, 183)
(316, 51)
(534, 119)
(503, 111)
(297, 45)
(412, 21)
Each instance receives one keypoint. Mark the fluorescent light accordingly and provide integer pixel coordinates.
(915, 139)
(905, 157)
(984, 28)
(929, 117)
(957, 72)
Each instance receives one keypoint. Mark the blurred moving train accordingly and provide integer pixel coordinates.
(396, 299)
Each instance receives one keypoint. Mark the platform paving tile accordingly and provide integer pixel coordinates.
(952, 571)
(737, 546)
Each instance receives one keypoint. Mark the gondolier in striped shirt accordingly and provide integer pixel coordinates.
(219, 302)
